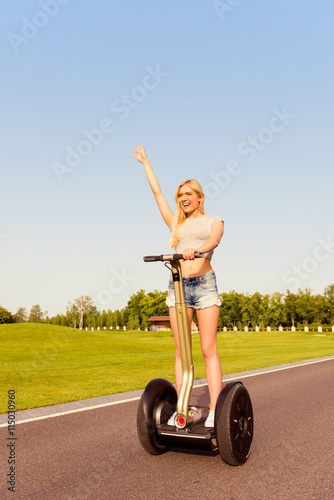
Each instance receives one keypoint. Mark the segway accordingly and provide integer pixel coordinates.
(232, 433)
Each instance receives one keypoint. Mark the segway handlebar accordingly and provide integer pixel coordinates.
(175, 256)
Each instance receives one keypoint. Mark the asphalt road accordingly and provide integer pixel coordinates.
(96, 454)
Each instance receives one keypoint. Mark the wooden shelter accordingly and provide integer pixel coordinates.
(159, 323)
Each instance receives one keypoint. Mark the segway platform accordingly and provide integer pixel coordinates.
(195, 436)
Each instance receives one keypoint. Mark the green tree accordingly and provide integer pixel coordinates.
(99, 320)
(90, 319)
(47, 319)
(290, 306)
(305, 306)
(119, 318)
(133, 323)
(144, 305)
(5, 316)
(104, 319)
(256, 308)
(225, 318)
(84, 305)
(320, 312)
(144, 323)
(64, 320)
(276, 309)
(109, 319)
(246, 306)
(231, 309)
(329, 299)
(154, 304)
(36, 314)
(72, 314)
(134, 306)
(56, 320)
(21, 315)
(264, 313)
(116, 318)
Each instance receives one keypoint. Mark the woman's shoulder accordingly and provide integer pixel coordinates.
(213, 218)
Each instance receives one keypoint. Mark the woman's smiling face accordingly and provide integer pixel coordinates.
(188, 199)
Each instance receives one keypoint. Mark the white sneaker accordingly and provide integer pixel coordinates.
(171, 420)
(210, 421)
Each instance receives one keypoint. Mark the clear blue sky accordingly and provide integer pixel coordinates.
(241, 99)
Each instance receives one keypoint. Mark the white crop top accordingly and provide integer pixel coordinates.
(195, 232)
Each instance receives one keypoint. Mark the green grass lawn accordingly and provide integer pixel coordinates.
(48, 364)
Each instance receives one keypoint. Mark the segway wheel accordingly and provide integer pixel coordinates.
(157, 404)
(234, 424)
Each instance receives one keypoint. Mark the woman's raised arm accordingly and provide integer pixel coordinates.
(167, 214)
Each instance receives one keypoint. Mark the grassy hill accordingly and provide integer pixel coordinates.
(48, 364)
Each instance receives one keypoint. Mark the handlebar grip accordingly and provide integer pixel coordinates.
(153, 258)
(199, 255)
(175, 256)
(179, 256)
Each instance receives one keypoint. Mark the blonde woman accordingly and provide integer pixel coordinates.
(193, 231)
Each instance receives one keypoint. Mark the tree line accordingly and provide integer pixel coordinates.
(237, 310)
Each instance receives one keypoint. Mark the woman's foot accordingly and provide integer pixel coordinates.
(171, 420)
(210, 421)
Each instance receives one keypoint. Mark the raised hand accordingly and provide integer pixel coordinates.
(139, 153)
(167, 214)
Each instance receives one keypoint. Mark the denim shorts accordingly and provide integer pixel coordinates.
(199, 291)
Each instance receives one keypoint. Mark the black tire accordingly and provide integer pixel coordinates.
(157, 404)
(234, 424)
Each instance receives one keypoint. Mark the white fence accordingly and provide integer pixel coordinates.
(319, 329)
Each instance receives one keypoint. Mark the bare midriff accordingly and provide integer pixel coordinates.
(196, 267)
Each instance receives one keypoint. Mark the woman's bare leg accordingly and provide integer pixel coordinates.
(207, 323)
(178, 363)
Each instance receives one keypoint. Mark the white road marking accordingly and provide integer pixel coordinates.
(227, 379)
(67, 412)
(112, 403)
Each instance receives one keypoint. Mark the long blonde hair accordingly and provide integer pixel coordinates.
(180, 216)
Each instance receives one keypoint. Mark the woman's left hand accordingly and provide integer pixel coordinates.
(189, 253)
(139, 153)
